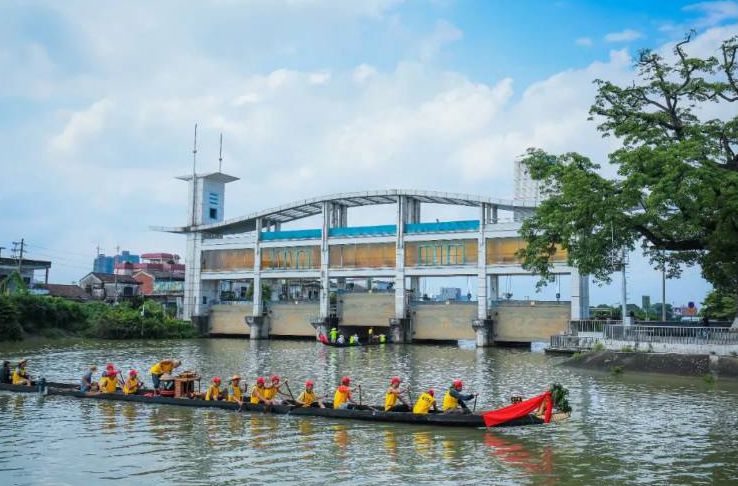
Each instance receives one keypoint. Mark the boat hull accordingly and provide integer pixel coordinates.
(365, 413)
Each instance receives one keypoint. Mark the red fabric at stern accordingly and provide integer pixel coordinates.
(518, 410)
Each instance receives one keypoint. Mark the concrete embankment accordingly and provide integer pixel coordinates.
(666, 363)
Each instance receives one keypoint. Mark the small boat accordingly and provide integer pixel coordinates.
(359, 412)
(347, 345)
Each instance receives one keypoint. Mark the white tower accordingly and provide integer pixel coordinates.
(206, 206)
(527, 191)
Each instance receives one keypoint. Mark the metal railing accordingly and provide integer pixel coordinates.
(569, 342)
(589, 325)
(672, 334)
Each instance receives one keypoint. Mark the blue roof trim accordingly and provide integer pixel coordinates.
(440, 227)
(385, 229)
(307, 234)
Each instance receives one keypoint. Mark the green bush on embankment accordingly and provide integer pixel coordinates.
(54, 317)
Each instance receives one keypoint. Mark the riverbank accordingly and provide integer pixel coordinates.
(664, 363)
(24, 315)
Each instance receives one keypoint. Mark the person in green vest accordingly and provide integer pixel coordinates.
(382, 338)
(333, 334)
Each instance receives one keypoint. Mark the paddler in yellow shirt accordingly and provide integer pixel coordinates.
(163, 367)
(213, 392)
(109, 381)
(235, 394)
(20, 376)
(342, 398)
(132, 384)
(425, 403)
(271, 389)
(308, 398)
(453, 400)
(257, 391)
(394, 393)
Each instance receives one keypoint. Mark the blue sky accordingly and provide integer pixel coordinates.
(97, 104)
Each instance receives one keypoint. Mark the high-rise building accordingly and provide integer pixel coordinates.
(106, 264)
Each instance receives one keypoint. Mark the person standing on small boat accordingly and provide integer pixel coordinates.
(132, 384)
(453, 400)
(425, 403)
(234, 390)
(341, 339)
(333, 334)
(370, 335)
(87, 383)
(342, 398)
(213, 392)
(6, 375)
(257, 391)
(393, 395)
(20, 376)
(308, 398)
(163, 367)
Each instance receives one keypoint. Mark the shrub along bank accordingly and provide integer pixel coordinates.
(24, 314)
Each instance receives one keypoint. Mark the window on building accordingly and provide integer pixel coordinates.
(204, 300)
(213, 213)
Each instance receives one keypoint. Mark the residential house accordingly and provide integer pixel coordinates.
(109, 287)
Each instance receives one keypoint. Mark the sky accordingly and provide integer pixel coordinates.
(98, 101)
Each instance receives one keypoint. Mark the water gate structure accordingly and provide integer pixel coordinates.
(229, 263)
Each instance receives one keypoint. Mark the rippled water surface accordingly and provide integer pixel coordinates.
(625, 429)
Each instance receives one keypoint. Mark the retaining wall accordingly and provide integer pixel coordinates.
(444, 321)
(230, 319)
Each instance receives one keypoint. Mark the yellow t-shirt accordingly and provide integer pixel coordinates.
(213, 392)
(424, 403)
(306, 397)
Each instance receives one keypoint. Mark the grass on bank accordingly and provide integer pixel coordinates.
(23, 314)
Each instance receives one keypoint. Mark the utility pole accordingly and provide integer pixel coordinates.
(1, 250)
(663, 293)
(115, 272)
(624, 297)
(20, 243)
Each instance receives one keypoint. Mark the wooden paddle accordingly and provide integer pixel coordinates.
(287, 384)
(475, 403)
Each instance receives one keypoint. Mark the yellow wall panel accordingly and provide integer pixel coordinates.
(366, 255)
(220, 260)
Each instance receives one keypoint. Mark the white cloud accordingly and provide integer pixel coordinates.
(584, 41)
(713, 13)
(81, 125)
(444, 33)
(319, 77)
(623, 36)
(364, 72)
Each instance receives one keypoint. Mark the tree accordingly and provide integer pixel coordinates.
(676, 194)
(719, 305)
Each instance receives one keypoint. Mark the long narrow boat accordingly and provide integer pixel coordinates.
(366, 413)
(347, 345)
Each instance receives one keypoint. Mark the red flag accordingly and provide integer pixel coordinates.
(518, 410)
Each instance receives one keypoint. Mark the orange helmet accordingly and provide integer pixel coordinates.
(345, 380)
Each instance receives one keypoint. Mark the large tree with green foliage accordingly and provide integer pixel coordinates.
(676, 193)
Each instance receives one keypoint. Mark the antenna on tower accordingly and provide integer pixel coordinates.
(220, 154)
(194, 152)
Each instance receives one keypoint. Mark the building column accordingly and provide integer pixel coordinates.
(482, 325)
(257, 321)
(400, 326)
(579, 295)
(325, 283)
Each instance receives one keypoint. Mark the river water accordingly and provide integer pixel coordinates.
(632, 428)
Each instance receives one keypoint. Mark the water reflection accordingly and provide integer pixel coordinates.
(614, 435)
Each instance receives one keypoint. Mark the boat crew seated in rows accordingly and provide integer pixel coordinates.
(87, 382)
(6, 377)
(109, 381)
(308, 398)
(213, 391)
(234, 392)
(394, 393)
(271, 390)
(453, 400)
(425, 403)
(20, 376)
(132, 384)
(342, 398)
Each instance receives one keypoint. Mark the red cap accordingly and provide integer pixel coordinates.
(458, 384)
(216, 379)
(260, 380)
(133, 372)
(275, 378)
(345, 380)
(309, 383)
(395, 379)
(431, 392)
(110, 366)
